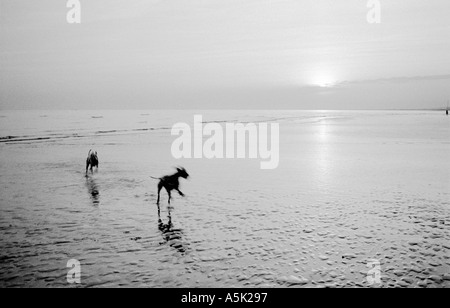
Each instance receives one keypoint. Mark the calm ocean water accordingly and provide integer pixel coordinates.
(351, 187)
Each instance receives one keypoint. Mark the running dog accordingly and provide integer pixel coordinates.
(171, 182)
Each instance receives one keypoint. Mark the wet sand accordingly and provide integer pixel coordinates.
(351, 187)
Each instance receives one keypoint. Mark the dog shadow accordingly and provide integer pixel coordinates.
(93, 190)
(171, 235)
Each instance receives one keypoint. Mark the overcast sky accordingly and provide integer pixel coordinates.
(271, 54)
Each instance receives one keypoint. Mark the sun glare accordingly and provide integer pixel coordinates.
(323, 80)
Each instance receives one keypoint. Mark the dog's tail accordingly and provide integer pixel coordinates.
(155, 178)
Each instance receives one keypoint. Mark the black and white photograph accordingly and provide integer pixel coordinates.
(241, 146)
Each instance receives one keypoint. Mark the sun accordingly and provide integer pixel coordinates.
(323, 80)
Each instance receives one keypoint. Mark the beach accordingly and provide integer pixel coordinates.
(352, 188)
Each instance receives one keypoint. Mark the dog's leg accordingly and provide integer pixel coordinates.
(87, 167)
(181, 194)
(159, 191)
(170, 195)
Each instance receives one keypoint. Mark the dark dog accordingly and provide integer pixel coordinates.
(92, 160)
(171, 182)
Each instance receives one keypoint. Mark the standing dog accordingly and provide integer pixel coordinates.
(171, 182)
(92, 160)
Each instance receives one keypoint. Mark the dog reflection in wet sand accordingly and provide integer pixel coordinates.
(171, 182)
(171, 235)
(93, 190)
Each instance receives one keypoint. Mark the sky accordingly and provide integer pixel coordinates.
(224, 54)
